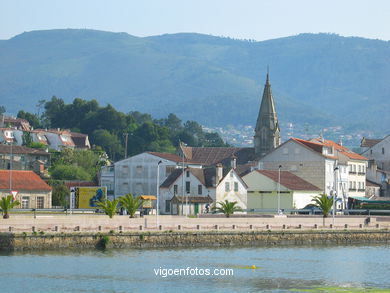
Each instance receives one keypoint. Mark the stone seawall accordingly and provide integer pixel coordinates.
(19, 242)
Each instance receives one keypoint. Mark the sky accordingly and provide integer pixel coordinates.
(242, 19)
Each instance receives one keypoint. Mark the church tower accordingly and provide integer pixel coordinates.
(267, 132)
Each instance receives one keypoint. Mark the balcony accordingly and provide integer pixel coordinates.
(352, 189)
(352, 172)
(361, 173)
(361, 190)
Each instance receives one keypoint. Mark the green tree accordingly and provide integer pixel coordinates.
(7, 203)
(324, 203)
(109, 142)
(59, 193)
(55, 114)
(130, 203)
(69, 172)
(76, 164)
(227, 208)
(33, 119)
(109, 207)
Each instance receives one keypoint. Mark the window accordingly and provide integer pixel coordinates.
(231, 174)
(167, 206)
(297, 151)
(25, 202)
(383, 151)
(139, 169)
(285, 151)
(370, 152)
(188, 174)
(227, 186)
(236, 186)
(200, 189)
(175, 189)
(40, 202)
(188, 186)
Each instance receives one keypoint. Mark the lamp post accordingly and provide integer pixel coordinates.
(158, 191)
(334, 193)
(10, 170)
(280, 166)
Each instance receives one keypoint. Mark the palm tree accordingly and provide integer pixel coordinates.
(227, 208)
(130, 203)
(7, 203)
(109, 207)
(324, 203)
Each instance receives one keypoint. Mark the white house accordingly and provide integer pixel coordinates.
(263, 189)
(378, 153)
(202, 186)
(324, 163)
(138, 174)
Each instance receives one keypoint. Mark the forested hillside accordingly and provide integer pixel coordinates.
(319, 79)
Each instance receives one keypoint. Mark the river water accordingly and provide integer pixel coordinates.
(277, 269)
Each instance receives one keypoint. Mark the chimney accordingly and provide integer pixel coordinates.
(219, 173)
(233, 162)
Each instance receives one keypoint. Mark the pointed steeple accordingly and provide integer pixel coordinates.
(267, 132)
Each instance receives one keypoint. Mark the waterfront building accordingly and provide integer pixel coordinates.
(378, 153)
(329, 166)
(32, 191)
(138, 174)
(190, 191)
(263, 190)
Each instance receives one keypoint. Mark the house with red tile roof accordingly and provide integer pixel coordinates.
(331, 167)
(32, 191)
(263, 189)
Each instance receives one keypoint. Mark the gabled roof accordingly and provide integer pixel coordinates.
(206, 176)
(209, 156)
(317, 147)
(289, 180)
(6, 149)
(340, 149)
(168, 156)
(22, 180)
(368, 142)
(80, 140)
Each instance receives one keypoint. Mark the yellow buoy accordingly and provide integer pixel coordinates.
(253, 267)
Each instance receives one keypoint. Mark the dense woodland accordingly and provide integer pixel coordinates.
(108, 128)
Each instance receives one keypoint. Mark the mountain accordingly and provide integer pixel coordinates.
(319, 79)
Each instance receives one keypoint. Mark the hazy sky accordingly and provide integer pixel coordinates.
(245, 19)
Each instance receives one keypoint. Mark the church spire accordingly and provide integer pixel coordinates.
(267, 132)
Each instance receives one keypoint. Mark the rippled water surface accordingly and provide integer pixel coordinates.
(284, 269)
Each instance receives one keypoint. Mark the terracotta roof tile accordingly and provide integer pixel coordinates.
(167, 156)
(22, 180)
(6, 149)
(212, 155)
(367, 142)
(289, 180)
(341, 149)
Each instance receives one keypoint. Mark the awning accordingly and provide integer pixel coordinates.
(367, 200)
(148, 197)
